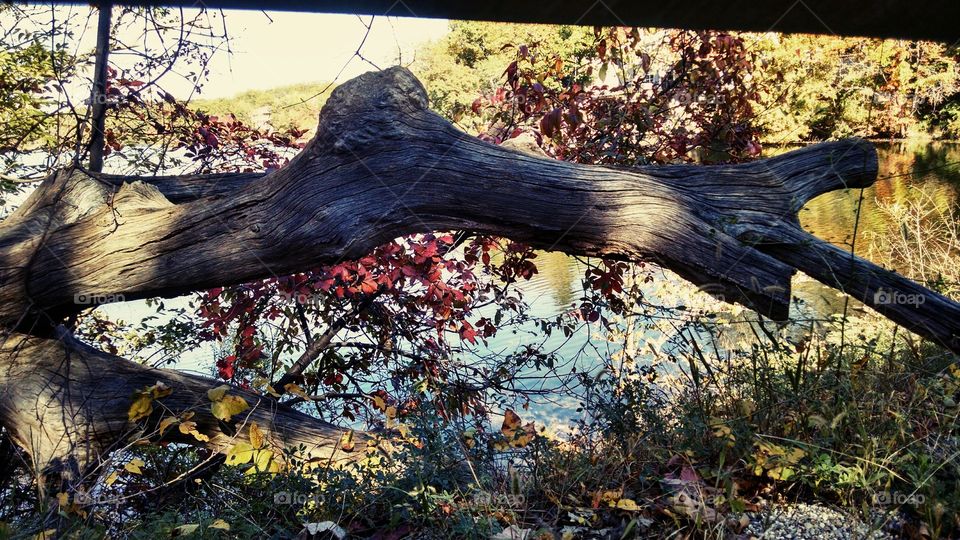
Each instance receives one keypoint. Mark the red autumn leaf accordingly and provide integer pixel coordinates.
(550, 123)
(225, 366)
(368, 285)
(511, 72)
(468, 333)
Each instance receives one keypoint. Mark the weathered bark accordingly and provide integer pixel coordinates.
(383, 165)
(66, 404)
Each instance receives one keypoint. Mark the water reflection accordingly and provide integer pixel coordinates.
(558, 280)
(907, 172)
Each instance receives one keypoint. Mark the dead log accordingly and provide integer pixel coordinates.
(66, 404)
(383, 165)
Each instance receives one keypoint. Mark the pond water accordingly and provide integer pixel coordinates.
(907, 171)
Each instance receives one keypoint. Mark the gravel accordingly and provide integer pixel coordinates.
(808, 522)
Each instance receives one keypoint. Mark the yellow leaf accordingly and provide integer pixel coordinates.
(263, 459)
(372, 461)
(511, 421)
(628, 504)
(292, 388)
(261, 382)
(517, 436)
(187, 427)
(190, 428)
(240, 453)
(219, 524)
(520, 441)
(134, 466)
(48, 534)
(216, 394)
(955, 370)
(256, 436)
(795, 455)
(166, 423)
(379, 403)
(111, 478)
(141, 407)
(610, 497)
(63, 499)
(721, 431)
(184, 530)
(227, 406)
(346, 441)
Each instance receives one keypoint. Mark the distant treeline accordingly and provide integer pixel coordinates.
(294, 106)
(810, 87)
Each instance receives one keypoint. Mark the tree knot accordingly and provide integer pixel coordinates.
(371, 108)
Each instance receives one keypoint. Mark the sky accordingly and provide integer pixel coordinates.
(266, 49)
(281, 48)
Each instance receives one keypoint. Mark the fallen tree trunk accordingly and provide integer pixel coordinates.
(383, 165)
(67, 404)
